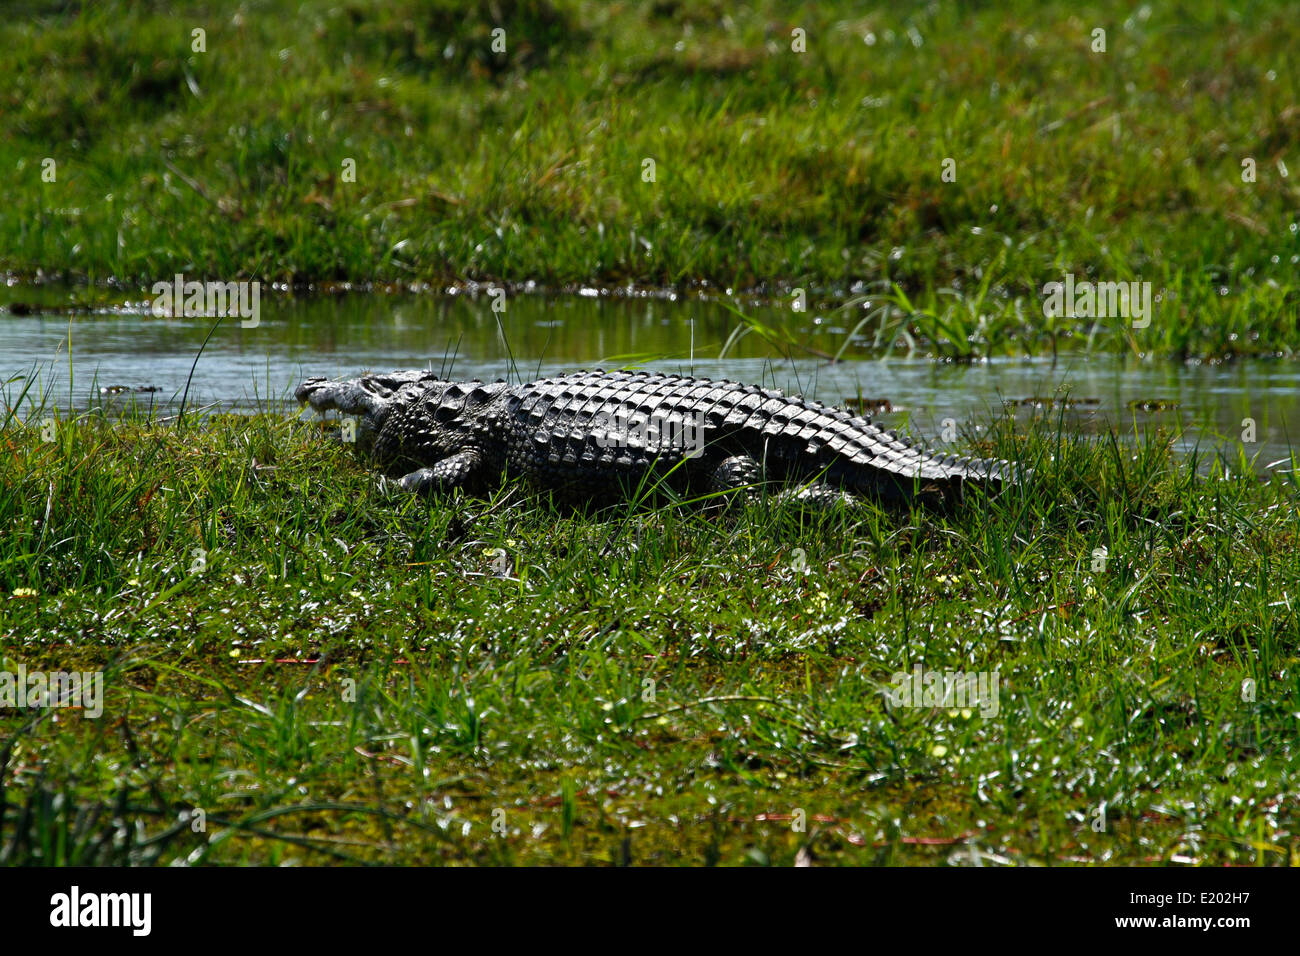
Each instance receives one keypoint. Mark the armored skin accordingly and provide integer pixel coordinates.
(599, 436)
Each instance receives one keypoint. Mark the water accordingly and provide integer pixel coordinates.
(126, 356)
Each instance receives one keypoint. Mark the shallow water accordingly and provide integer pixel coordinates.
(125, 356)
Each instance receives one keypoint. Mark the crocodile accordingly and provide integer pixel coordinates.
(596, 436)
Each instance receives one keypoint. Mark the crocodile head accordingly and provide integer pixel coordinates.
(371, 399)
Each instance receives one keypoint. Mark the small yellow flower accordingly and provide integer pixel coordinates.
(938, 750)
(24, 592)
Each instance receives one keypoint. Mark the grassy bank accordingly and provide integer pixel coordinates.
(773, 169)
(346, 676)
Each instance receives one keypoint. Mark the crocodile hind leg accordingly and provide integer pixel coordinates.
(461, 470)
(734, 473)
(819, 496)
(742, 472)
(726, 481)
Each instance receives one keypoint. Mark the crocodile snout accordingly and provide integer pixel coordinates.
(304, 392)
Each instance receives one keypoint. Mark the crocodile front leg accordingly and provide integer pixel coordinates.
(465, 468)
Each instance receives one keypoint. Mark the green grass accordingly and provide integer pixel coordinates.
(775, 170)
(656, 684)
(353, 676)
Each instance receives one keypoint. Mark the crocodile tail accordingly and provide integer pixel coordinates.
(992, 474)
(880, 450)
(992, 471)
